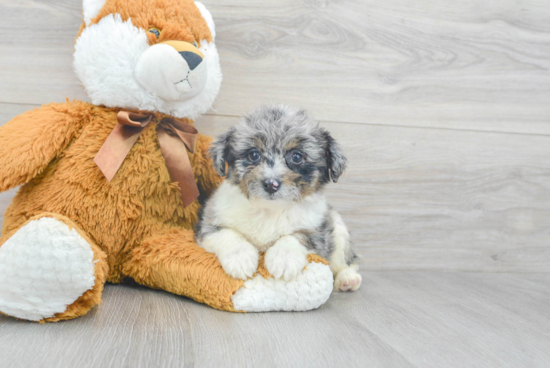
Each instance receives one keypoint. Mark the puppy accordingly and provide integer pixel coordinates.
(278, 161)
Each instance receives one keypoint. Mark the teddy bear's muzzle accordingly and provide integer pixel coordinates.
(172, 70)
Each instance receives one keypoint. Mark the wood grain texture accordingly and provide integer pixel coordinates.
(420, 199)
(450, 64)
(398, 319)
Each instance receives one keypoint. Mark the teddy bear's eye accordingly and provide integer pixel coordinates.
(154, 31)
(195, 44)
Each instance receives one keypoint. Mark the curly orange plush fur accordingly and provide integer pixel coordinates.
(51, 149)
(183, 23)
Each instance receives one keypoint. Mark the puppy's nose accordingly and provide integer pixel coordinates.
(271, 185)
(193, 60)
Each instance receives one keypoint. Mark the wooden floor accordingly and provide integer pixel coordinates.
(398, 319)
(443, 108)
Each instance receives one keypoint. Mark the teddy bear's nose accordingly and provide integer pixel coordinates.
(193, 60)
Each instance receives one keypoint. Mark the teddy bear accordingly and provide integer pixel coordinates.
(112, 189)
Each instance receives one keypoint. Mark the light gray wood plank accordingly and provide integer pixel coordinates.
(436, 199)
(8, 111)
(431, 63)
(449, 64)
(36, 54)
(397, 319)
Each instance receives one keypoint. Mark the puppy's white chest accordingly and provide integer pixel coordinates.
(263, 227)
(264, 223)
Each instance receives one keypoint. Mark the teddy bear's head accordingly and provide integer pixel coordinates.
(154, 55)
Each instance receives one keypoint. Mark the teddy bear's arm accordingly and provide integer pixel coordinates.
(30, 141)
(205, 174)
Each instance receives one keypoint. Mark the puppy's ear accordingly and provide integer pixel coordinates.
(336, 161)
(220, 150)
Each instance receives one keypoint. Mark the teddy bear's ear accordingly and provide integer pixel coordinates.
(207, 17)
(91, 9)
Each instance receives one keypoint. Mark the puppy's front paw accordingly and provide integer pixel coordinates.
(239, 262)
(285, 262)
(347, 280)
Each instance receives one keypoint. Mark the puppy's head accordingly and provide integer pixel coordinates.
(278, 153)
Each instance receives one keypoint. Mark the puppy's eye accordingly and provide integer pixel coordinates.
(254, 156)
(154, 31)
(297, 158)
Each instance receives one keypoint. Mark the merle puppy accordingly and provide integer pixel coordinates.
(278, 161)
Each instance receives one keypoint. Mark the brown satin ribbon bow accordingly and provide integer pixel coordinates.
(174, 144)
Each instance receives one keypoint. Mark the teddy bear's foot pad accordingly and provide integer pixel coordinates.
(309, 290)
(44, 267)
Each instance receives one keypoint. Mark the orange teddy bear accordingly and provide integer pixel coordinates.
(113, 189)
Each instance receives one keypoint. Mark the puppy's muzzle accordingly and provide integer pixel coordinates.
(271, 185)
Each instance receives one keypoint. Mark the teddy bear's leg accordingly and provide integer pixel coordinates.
(175, 263)
(50, 270)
